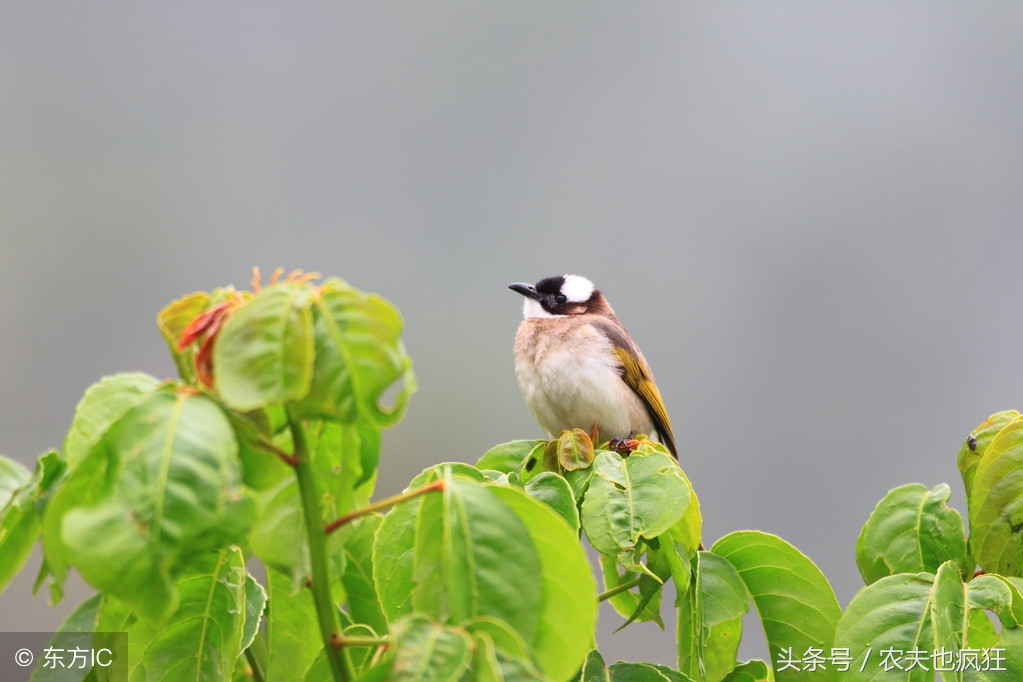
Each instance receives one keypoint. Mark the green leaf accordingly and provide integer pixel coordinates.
(796, 604)
(473, 557)
(996, 503)
(263, 355)
(626, 568)
(554, 491)
(911, 530)
(645, 672)
(102, 405)
(950, 616)
(255, 604)
(500, 653)
(976, 445)
(751, 671)
(710, 616)
(568, 613)
(723, 601)
(394, 559)
(508, 457)
(339, 453)
(278, 536)
(162, 484)
(893, 613)
(202, 638)
(292, 632)
(426, 651)
(594, 669)
(357, 577)
(75, 631)
(394, 545)
(641, 496)
(21, 498)
(539, 459)
(359, 356)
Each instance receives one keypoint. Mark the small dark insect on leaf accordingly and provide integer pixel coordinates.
(530, 464)
(971, 442)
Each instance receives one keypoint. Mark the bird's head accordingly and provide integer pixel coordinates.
(561, 296)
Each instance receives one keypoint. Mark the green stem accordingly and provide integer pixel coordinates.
(253, 658)
(326, 612)
(344, 641)
(385, 503)
(618, 589)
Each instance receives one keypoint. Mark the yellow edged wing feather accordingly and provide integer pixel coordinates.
(638, 377)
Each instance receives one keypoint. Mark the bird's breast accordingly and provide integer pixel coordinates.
(571, 378)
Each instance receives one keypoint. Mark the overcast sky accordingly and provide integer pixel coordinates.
(807, 213)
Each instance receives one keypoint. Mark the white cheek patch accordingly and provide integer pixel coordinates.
(577, 289)
(531, 308)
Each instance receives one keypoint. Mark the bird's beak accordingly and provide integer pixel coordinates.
(527, 290)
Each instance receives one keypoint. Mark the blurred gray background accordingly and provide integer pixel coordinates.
(807, 213)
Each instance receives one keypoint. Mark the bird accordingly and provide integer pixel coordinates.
(578, 367)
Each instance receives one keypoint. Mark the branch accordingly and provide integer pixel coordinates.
(326, 612)
(618, 589)
(383, 504)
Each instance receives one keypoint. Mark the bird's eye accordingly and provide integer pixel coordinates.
(560, 298)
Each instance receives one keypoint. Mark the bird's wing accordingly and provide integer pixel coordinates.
(639, 378)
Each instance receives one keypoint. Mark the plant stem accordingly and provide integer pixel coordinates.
(383, 504)
(326, 611)
(254, 663)
(344, 641)
(618, 589)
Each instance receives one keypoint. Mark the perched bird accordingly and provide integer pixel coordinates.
(578, 367)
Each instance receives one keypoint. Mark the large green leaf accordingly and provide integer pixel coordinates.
(796, 604)
(21, 499)
(394, 544)
(344, 458)
(554, 491)
(263, 355)
(751, 671)
(710, 619)
(640, 496)
(77, 632)
(911, 530)
(996, 503)
(508, 457)
(950, 616)
(278, 535)
(292, 632)
(359, 356)
(357, 576)
(892, 614)
(645, 672)
(394, 559)
(102, 405)
(568, 612)
(202, 639)
(475, 557)
(162, 484)
(976, 444)
(427, 651)
(500, 654)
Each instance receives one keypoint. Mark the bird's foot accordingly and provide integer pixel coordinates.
(623, 446)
